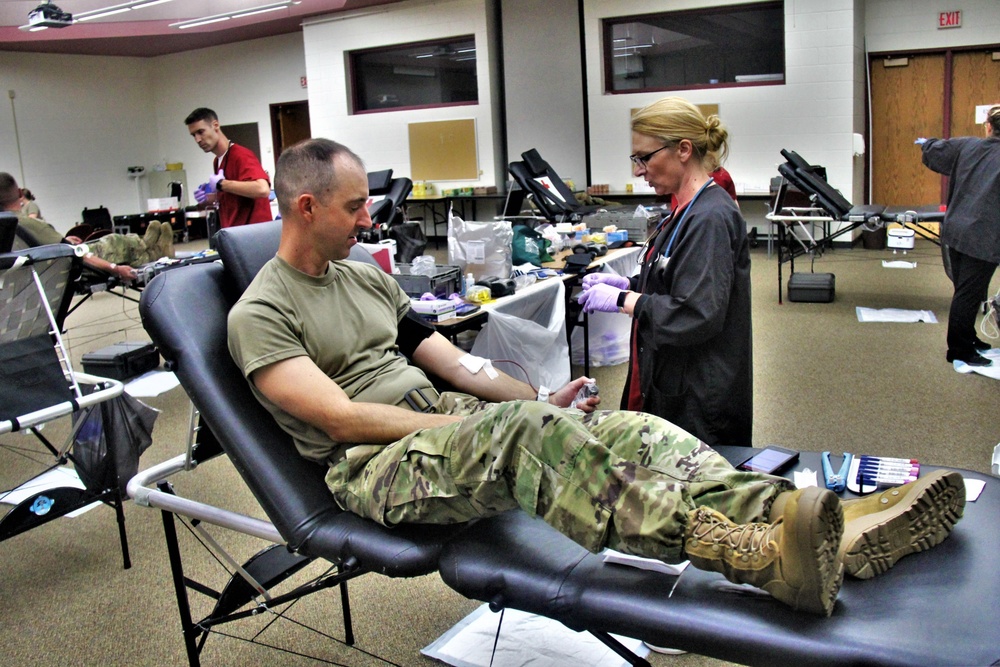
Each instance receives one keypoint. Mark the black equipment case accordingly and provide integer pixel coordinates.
(811, 287)
(122, 361)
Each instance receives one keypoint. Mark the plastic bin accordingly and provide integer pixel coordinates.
(444, 281)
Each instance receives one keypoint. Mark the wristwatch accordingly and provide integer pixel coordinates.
(218, 186)
(621, 299)
(543, 394)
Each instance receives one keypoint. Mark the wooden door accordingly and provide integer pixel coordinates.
(975, 82)
(907, 102)
(289, 125)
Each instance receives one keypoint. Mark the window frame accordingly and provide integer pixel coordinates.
(607, 48)
(356, 103)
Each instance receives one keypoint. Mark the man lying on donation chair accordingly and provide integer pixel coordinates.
(319, 340)
(116, 254)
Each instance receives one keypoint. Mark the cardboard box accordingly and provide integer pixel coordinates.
(161, 204)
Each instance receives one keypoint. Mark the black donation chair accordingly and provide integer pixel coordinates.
(301, 512)
(8, 230)
(554, 200)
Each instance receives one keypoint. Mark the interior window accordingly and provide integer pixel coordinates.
(718, 46)
(417, 75)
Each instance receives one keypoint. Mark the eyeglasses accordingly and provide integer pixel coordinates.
(641, 160)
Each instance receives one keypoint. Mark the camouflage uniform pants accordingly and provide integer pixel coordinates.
(134, 250)
(126, 249)
(625, 480)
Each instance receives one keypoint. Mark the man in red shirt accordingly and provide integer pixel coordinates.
(239, 185)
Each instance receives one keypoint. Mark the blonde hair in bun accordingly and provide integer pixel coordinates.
(672, 119)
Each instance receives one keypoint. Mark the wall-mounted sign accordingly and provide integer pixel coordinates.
(981, 112)
(950, 19)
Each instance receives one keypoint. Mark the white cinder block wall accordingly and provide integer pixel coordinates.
(237, 81)
(382, 139)
(900, 25)
(813, 113)
(81, 122)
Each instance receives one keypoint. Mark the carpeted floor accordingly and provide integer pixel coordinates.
(822, 381)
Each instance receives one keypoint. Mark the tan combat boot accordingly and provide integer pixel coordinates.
(882, 528)
(794, 558)
(152, 235)
(166, 240)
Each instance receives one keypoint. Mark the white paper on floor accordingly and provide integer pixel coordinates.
(898, 264)
(895, 315)
(525, 639)
(152, 383)
(992, 371)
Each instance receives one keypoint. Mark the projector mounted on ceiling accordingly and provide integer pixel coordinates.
(47, 15)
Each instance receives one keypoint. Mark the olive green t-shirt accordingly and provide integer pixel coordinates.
(345, 321)
(45, 233)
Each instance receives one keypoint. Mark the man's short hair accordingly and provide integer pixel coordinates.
(9, 192)
(308, 167)
(201, 113)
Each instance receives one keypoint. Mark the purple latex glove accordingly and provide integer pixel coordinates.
(600, 298)
(213, 181)
(199, 194)
(591, 279)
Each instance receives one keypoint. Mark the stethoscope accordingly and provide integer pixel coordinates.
(670, 244)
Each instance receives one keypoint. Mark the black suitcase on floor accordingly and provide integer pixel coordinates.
(122, 361)
(811, 287)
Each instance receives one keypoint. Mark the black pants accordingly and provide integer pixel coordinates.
(971, 278)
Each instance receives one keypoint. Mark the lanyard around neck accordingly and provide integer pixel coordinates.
(677, 227)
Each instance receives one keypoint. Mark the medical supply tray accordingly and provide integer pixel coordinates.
(811, 287)
(444, 280)
(122, 361)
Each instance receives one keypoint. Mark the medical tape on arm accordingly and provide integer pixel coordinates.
(476, 364)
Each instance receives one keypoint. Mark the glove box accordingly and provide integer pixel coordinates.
(811, 287)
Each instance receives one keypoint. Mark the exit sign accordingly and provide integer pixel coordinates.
(950, 19)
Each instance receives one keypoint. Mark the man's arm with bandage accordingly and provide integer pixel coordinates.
(436, 355)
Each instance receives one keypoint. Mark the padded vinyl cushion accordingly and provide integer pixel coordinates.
(518, 561)
(536, 164)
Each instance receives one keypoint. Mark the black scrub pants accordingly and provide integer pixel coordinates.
(971, 278)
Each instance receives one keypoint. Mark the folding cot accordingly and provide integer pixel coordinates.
(515, 560)
(829, 207)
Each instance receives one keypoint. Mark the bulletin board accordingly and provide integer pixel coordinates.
(444, 150)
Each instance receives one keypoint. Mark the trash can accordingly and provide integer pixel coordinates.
(874, 239)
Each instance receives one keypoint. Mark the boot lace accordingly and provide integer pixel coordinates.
(747, 538)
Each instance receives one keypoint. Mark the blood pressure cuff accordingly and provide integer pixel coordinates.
(412, 331)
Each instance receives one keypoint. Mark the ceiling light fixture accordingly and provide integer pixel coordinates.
(116, 9)
(236, 14)
(47, 15)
